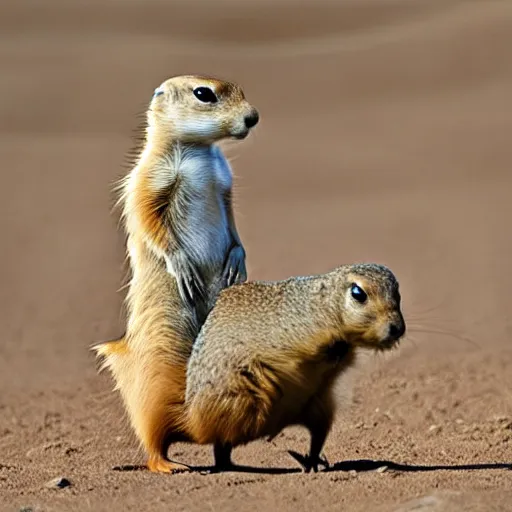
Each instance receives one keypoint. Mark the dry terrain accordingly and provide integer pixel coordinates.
(385, 136)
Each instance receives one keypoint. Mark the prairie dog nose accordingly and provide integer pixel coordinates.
(396, 331)
(252, 119)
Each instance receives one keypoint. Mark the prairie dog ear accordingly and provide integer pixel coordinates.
(158, 91)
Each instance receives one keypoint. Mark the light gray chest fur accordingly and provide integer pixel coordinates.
(206, 176)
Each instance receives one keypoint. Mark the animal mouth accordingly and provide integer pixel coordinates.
(241, 135)
(389, 344)
(379, 346)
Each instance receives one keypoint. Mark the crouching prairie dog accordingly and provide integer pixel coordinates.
(269, 354)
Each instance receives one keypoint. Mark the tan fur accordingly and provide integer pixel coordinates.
(177, 193)
(269, 354)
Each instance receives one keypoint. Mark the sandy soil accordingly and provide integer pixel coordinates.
(385, 136)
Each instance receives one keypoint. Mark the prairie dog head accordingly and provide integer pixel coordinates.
(201, 110)
(371, 315)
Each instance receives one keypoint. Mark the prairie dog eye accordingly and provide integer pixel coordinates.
(205, 94)
(358, 294)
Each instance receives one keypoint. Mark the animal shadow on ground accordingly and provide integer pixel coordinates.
(372, 465)
(349, 465)
(211, 470)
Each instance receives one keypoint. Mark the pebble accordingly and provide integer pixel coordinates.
(58, 483)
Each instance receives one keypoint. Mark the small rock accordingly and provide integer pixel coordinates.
(352, 473)
(434, 428)
(58, 483)
(459, 421)
(382, 469)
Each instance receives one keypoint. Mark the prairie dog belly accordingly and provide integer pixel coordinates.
(206, 233)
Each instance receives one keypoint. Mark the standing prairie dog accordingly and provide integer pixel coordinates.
(183, 248)
(269, 354)
(177, 199)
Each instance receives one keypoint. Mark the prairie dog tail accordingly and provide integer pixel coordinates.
(106, 351)
(152, 384)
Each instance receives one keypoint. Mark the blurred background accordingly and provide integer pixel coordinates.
(384, 136)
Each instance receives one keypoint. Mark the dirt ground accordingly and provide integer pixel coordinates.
(384, 136)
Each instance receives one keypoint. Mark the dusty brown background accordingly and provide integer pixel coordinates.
(385, 136)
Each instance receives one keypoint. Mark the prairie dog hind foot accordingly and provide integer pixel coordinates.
(160, 465)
